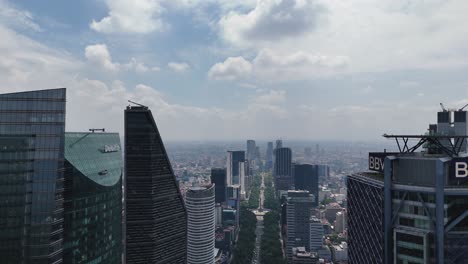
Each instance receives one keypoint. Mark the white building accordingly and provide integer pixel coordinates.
(200, 204)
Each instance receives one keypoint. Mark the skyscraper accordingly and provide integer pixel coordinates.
(93, 198)
(365, 217)
(269, 155)
(251, 150)
(283, 169)
(299, 205)
(306, 178)
(218, 177)
(412, 208)
(233, 160)
(156, 217)
(32, 128)
(200, 202)
(279, 143)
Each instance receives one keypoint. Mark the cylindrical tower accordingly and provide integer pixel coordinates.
(200, 204)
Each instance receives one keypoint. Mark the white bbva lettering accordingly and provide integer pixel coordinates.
(376, 163)
(461, 169)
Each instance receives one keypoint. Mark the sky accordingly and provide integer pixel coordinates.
(231, 70)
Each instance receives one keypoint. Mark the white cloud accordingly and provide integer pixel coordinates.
(9, 15)
(271, 98)
(99, 56)
(231, 69)
(127, 16)
(270, 20)
(178, 66)
(270, 65)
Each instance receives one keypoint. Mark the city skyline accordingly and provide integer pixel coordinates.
(352, 64)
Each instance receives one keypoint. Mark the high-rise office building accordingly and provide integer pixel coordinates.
(243, 179)
(279, 143)
(306, 178)
(299, 205)
(218, 177)
(269, 156)
(32, 128)
(316, 234)
(365, 218)
(232, 166)
(413, 207)
(200, 202)
(283, 169)
(251, 150)
(93, 198)
(156, 218)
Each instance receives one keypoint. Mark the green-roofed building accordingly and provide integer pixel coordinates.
(93, 198)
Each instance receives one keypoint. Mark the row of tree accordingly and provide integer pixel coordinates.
(254, 198)
(244, 249)
(271, 249)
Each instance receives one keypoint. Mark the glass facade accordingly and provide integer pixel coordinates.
(93, 198)
(365, 219)
(156, 218)
(31, 176)
(306, 178)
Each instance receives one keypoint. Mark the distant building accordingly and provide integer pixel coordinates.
(283, 169)
(200, 203)
(269, 156)
(32, 126)
(316, 234)
(340, 252)
(299, 205)
(93, 198)
(279, 143)
(251, 150)
(323, 171)
(233, 171)
(234, 198)
(306, 178)
(340, 222)
(331, 210)
(302, 256)
(219, 178)
(156, 218)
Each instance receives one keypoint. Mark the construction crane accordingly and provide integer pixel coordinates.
(443, 108)
(461, 109)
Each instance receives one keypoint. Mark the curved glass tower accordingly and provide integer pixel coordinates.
(156, 219)
(200, 202)
(93, 198)
(31, 176)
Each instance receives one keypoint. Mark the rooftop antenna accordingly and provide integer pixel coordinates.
(144, 106)
(443, 108)
(461, 109)
(92, 130)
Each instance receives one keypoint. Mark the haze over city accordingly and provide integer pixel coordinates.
(230, 70)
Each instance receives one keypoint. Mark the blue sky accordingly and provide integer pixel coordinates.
(212, 69)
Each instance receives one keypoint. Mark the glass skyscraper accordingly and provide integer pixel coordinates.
(306, 178)
(93, 198)
(31, 176)
(156, 218)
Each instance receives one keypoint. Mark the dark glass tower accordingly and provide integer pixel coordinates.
(365, 218)
(306, 178)
(31, 176)
(283, 168)
(218, 177)
(156, 217)
(233, 168)
(93, 198)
